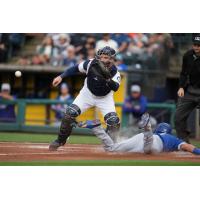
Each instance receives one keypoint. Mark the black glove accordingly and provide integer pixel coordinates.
(100, 70)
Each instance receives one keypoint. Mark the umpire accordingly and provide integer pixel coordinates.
(189, 88)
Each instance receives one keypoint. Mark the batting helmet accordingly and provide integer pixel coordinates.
(163, 128)
(106, 51)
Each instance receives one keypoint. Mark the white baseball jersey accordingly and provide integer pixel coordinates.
(96, 92)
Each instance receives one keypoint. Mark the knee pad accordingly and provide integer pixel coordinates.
(73, 111)
(68, 122)
(112, 121)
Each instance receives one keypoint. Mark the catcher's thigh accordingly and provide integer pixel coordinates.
(105, 104)
(84, 100)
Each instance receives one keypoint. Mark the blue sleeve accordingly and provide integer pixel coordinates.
(143, 104)
(70, 71)
(177, 143)
(126, 109)
(196, 151)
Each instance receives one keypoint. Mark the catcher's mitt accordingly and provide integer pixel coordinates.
(100, 70)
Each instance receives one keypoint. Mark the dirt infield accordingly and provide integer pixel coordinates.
(10, 151)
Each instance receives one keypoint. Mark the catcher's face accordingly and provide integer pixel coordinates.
(107, 60)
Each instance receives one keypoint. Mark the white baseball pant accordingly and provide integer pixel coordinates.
(86, 100)
(133, 144)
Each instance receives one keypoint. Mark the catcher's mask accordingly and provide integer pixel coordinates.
(106, 51)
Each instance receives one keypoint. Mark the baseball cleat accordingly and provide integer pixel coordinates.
(55, 145)
(89, 124)
(145, 121)
(148, 141)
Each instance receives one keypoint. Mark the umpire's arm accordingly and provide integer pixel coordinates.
(184, 73)
(183, 77)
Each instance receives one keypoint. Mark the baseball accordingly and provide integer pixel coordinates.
(18, 74)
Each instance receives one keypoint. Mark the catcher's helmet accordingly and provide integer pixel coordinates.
(163, 128)
(106, 51)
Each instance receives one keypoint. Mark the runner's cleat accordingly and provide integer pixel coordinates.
(145, 121)
(148, 141)
(89, 124)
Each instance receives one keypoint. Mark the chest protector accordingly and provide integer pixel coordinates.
(97, 85)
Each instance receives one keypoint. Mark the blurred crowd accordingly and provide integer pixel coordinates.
(10, 43)
(60, 49)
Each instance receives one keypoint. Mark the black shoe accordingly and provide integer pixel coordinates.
(55, 145)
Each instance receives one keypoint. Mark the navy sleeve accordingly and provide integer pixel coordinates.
(70, 71)
(113, 85)
(85, 65)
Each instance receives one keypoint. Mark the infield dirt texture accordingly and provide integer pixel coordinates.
(25, 153)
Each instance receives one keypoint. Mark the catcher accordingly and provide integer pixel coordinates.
(102, 79)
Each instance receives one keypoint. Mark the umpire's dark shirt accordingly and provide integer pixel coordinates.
(190, 74)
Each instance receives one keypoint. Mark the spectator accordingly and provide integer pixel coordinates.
(165, 47)
(7, 112)
(153, 44)
(120, 63)
(4, 47)
(138, 43)
(78, 40)
(91, 53)
(122, 40)
(55, 37)
(136, 104)
(64, 96)
(85, 46)
(106, 41)
(90, 42)
(16, 42)
(43, 55)
(140, 37)
(24, 60)
(148, 50)
(63, 42)
(136, 48)
(59, 51)
(44, 52)
(70, 59)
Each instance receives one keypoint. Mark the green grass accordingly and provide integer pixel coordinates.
(196, 143)
(45, 138)
(101, 163)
